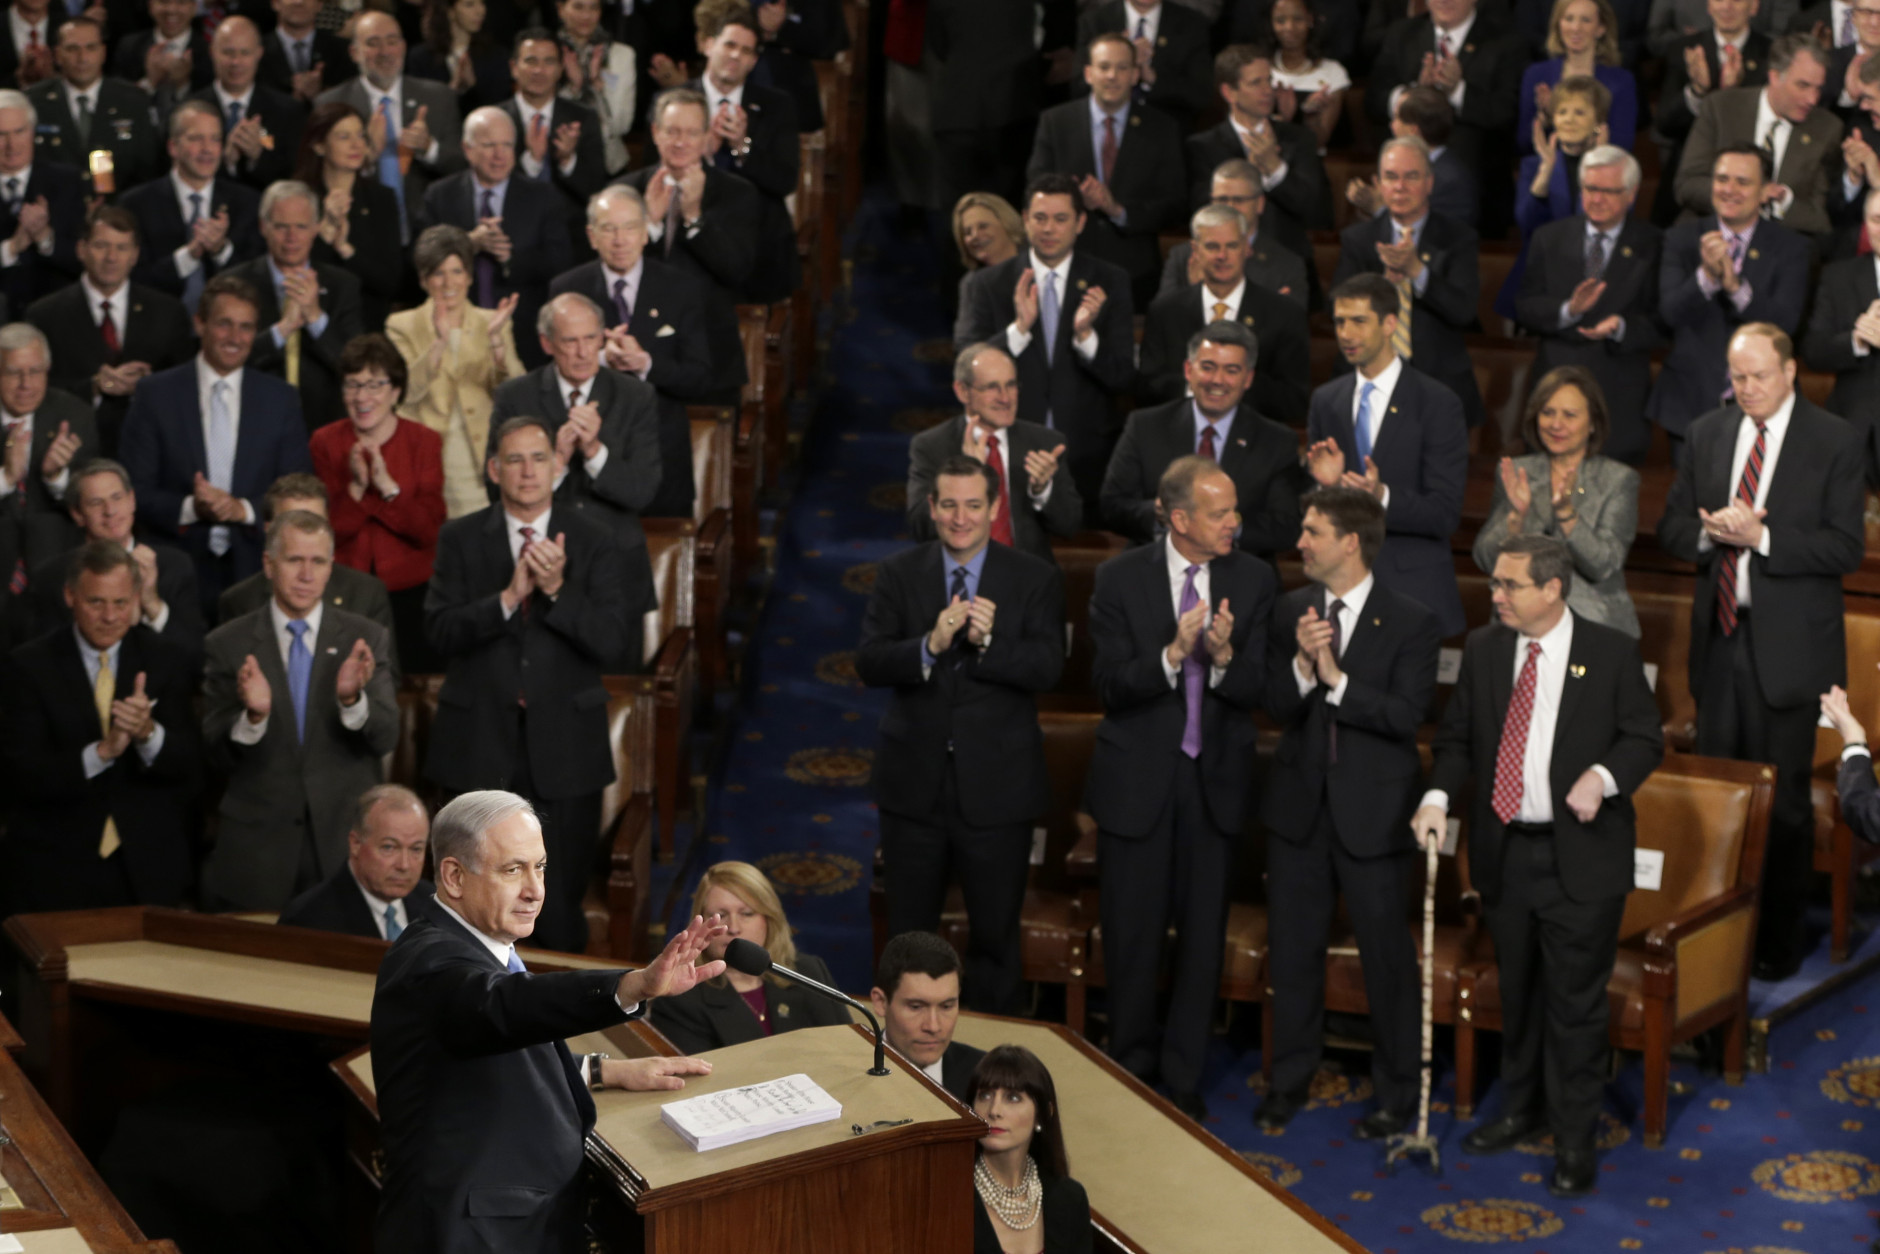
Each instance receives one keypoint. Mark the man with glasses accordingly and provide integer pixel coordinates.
(1590, 292)
(1275, 260)
(47, 435)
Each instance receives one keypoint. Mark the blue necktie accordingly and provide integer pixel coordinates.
(393, 929)
(515, 963)
(192, 286)
(388, 166)
(1048, 313)
(221, 455)
(234, 118)
(299, 674)
(1364, 426)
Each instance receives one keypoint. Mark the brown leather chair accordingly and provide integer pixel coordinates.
(417, 707)
(659, 724)
(1078, 558)
(619, 898)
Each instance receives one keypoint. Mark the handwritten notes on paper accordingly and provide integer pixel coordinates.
(737, 1115)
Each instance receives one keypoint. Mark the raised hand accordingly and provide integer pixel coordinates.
(946, 625)
(505, 309)
(150, 598)
(1097, 195)
(1586, 294)
(1372, 480)
(567, 138)
(1730, 61)
(976, 442)
(1867, 326)
(1025, 302)
(1087, 310)
(1188, 629)
(979, 621)
(355, 672)
(585, 419)
(1604, 329)
(19, 454)
(133, 714)
(1325, 462)
(1514, 482)
(548, 562)
(1313, 635)
(252, 687)
(677, 969)
(1835, 709)
(1220, 637)
(416, 137)
(520, 587)
(1697, 70)
(1364, 197)
(1041, 467)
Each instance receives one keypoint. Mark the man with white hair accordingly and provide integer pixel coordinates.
(42, 210)
(48, 434)
(1590, 292)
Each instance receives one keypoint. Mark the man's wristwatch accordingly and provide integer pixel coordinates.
(594, 1062)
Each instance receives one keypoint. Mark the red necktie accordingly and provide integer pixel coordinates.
(1001, 509)
(1107, 160)
(107, 330)
(1746, 493)
(1506, 798)
(1207, 442)
(528, 541)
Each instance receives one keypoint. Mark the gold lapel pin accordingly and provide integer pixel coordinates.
(1754, 255)
(1161, 41)
(1393, 409)
(1577, 671)
(1135, 119)
(1626, 251)
(1082, 284)
(1377, 622)
(1806, 138)
(1248, 319)
(653, 313)
(783, 1011)
(1426, 258)
(1468, 47)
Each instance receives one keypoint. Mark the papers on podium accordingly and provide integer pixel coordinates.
(744, 1114)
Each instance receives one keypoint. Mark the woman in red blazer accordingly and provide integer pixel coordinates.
(384, 480)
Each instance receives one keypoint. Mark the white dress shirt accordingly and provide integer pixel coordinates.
(93, 760)
(351, 717)
(25, 32)
(1353, 602)
(376, 904)
(55, 484)
(528, 112)
(206, 379)
(936, 1071)
(1778, 428)
(513, 526)
(1178, 579)
(1232, 300)
(1017, 341)
(119, 301)
(88, 94)
(1149, 19)
(186, 263)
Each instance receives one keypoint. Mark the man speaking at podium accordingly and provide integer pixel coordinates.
(482, 1108)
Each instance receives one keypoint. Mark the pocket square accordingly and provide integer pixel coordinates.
(664, 331)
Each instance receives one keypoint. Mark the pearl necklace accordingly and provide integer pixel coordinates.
(1018, 1208)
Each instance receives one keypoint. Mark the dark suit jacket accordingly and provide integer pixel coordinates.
(1064, 1212)
(1810, 162)
(127, 63)
(1274, 266)
(481, 1105)
(1860, 800)
(34, 274)
(1260, 456)
(1673, 118)
(1444, 311)
(158, 332)
(1032, 527)
(1303, 198)
(176, 584)
(1816, 538)
(956, 1067)
(320, 401)
(1492, 64)
(1282, 382)
(1422, 453)
(45, 522)
(772, 168)
(1146, 181)
(283, 117)
(1183, 61)
(328, 53)
(713, 1015)
(721, 255)
(162, 447)
(552, 657)
(988, 75)
(1694, 374)
(120, 124)
(1454, 191)
(1371, 789)
(1556, 264)
(534, 219)
(982, 702)
(590, 163)
(355, 591)
(1845, 291)
(277, 787)
(1132, 621)
(10, 55)
(378, 262)
(334, 905)
(55, 816)
(1607, 716)
(160, 220)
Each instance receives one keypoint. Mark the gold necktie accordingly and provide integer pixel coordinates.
(293, 359)
(102, 693)
(1220, 311)
(1406, 297)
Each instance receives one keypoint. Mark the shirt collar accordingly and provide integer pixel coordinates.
(1555, 645)
(1765, 115)
(713, 96)
(278, 617)
(1724, 41)
(1097, 115)
(1778, 423)
(499, 950)
(225, 100)
(1459, 34)
(1386, 381)
(184, 191)
(1177, 564)
(936, 1070)
(90, 656)
(1062, 269)
(206, 377)
(1231, 300)
(975, 566)
(1354, 600)
(1221, 425)
(632, 276)
(515, 525)
(93, 297)
(1415, 229)
(73, 92)
(567, 387)
(498, 190)
(374, 902)
(375, 95)
(24, 174)
(527, 111)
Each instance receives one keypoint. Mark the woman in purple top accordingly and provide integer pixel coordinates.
(1583, 36)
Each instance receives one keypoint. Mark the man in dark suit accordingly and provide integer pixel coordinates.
(1065, 317)
(380, 888)
(606, 430)
(499, 1127)
(204, 440)
(168, 59)
(1405, 430)
(297, 58)
(987, 93)
(1425, 113)
(111, 332)
(1351, 667)
(1217, 422)
(558, 142)
(195, 222)
(1024, 457)
(42, 210)
(1768, 503)
(1721, 273)
(1430, 261)
(917, 998)
(966, 633)
(81, 112)
(261, 126)
(298, 714)
(1276, 260)
(1171, 43)
(518, 225)
(1554, 720)
(1179, 630)
(355, 591)
(1282, 381)
(48, 435)
(656, 332)
(1590, 293)
(528, 624)
(1286, 154)
(26, 39)
(1843, 332)
(1729, 54)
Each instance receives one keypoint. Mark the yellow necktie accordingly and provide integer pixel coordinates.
(1406, 296)
(1220, 310)
(102, 693)
(293, 359)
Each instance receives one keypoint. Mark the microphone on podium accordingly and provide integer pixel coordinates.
(752, 959)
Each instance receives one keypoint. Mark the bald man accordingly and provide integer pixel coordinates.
(261, 126)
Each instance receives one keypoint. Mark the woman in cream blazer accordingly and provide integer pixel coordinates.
(457, 356)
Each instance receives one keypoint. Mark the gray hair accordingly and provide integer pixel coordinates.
(15, 336)
(288, 189)
(1611, 154)
(1239, 170)
(618, 191)
(545, 320)
(10, 99)
(486, 116)
(1547, 559)
(185, 110)
(1177, 487)
(1217, 215)
(102, 466)
(302, 520)
(968, 358)
(457, 831)
(1228, 335)
(396, 795)
(1412, 142)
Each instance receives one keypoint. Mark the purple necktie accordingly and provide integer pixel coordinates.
(621, 304)
(1194, 672)
(486, 264)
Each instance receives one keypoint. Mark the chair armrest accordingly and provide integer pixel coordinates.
(670, 662)
(1081, 862)
(1663, 940)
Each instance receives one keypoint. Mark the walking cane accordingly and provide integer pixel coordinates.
(1404, 1145)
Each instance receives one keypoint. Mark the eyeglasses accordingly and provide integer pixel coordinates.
(353, 387)
(1508, 586)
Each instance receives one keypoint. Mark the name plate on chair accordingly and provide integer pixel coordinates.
(1038, 835)
(1651, 676)
(1648, 869)
(1448, 666)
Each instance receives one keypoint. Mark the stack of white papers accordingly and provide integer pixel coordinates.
(737, 1115)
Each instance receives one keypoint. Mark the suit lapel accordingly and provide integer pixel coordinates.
(496, 545)
(1717, 468)
(1571, 688)
(1399, 416)
(1501, 672)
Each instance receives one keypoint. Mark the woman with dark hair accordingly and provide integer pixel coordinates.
(358, 215)
(1026, 1201)
(1311, 85)
(599, 73)
(1590, 502)
(456, 49)
(384, 480)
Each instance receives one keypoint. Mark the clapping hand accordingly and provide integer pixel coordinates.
(215, 505)
(946, 625)
(1697, 70)
(1188, 629)
(1025, 302)
(1325, 461)
(1514, 482)
(150, 600)
(1867, 326)
(1314, 637)
(355, 672)
(1220, 635)
(624, 352)
(548, 563)
(1041, 467)
(567, 139)
(416, 137)
(976, 442)
(133, 717)
(979, 614)
(252, 687)
(1835, 709)
(1097, 196)
(1737, 524)
(1087, 310)
(1372, 480)
(521, 585)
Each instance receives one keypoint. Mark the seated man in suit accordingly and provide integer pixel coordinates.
(297, 58)
(298, 715)
(917, 998)
(1125, 158)
(1069, 368)
(261, 126)
(99, 783)
(1431, 262)
(1843, 332)
(81, 111)
(1024, 457)
(1590, 293)
(169, 59)
(310, 309)
(1425, 113)
(1171, 43)
(196, 221)
(966, 633)
(48, 433)
(1720, 273)
(529, 605)
(111, 331)
(380, 888)
(656, 332)
(558, 142)
(204, 440)
(1215, 420)
(42, 210)
(1782, 118)
(518, 225)
(606, 430)
(1224, 294)
(1405, 430)
(347, 588)
(1272, 260)
(1286, 154)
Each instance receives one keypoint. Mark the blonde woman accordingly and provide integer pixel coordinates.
(458, 355)
(734, 1007)
(1582, 41)
(987, 231)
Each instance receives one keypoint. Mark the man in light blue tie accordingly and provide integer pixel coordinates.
(292, 772)
(381, 887)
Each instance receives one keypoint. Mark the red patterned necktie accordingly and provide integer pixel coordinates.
(1108, 159)
(107, 329)
(1001, 508)
(1746, 493)
(1510, 758)
(1207, 442)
